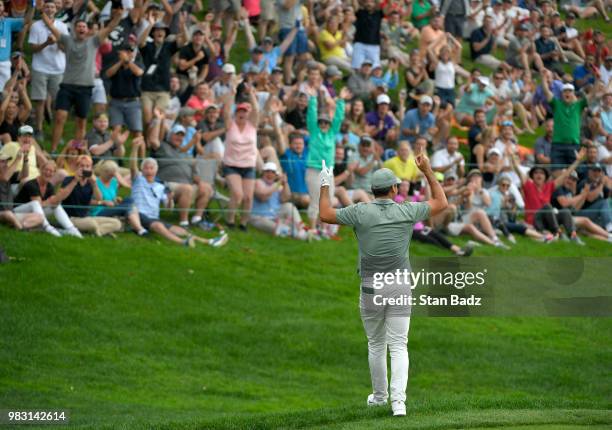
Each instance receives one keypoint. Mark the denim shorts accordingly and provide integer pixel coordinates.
(244, 172)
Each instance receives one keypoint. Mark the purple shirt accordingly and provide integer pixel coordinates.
(372, 118)
(540, 98)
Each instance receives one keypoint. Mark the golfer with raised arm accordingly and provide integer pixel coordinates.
(383, 229)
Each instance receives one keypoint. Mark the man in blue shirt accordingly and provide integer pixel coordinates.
(8, 26)
(584, 74)
(257, 59)
(419, 121)
(293, 161)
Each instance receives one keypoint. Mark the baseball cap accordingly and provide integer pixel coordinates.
(382, 99)
(154, 6)
(596, 166)
(333, 71)
(212, 106)
(25, 129)
(425, 100)
(572, 15)
(253, 68)
(197, 30)
(474, 172)
(494, 151)
(186, 111)
(228, 68)
(507, 123)
(277, 70)
(257, 50)
(270, 166)
(484, 80)
(324, 116)
(366, 61)
(567, 87)
(268, 39)
(450, 175)
(16, 54)
(4, 157)
(573, 174)
(384, 178)
(608, 58)
(124, 47)
(522, 27)
(178, 128)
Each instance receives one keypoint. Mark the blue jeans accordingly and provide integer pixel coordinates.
(123, 209)
(599, 212)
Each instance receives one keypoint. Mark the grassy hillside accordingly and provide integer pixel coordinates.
(265, 333)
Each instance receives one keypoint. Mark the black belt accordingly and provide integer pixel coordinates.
(126, 99)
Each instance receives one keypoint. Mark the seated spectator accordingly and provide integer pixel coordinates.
(475, 134)
(416, 76)
(390, 79)
(147, 194)
(38, 196)
(193, 58)
(543, 144)
(548, 50)
(202, 98)
(26, 143)
(271, 54)
(331, 75)
(449, 158)
(472, 219)
(213, 133)
(492, 167)
(81, 191)
(403, 165)
(296, 114)
(359, 83)
(589, 9)
(178, 172)
(101, 143)
(293, 161)
(367, 163)
(191, 144)
(585, 74)
(331, 43)
(395, 35)
(596, 205)
(605, 70)
(343, 178)
(356, 116)
(68, 160)
(422, 12)
(521, 52)
(381, 124)
(111, 204)
(24, 220)
(605, 155)
(538, 190)
(272, 210)
(419, 122)
(503, 203)
(567, 198)
(483, 42)
(475, 97)
(592, 157)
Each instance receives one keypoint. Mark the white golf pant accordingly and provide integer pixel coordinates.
(58, 212)
(382, 331)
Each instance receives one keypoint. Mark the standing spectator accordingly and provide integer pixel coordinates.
(422, 11)
(321, 147)
(213, 133)
(293, 161)
(360, 83)
(48, 63)
(193, 56)
(79, 75)
(157, 59)
(240, 157)
(455, 14)
(567, 114)
(12, 114)
(366, 42)
(543, 145)
(125, 107)
(8, 27)
(290, 16)
(475, 96)
(331, 42)
(475, 132)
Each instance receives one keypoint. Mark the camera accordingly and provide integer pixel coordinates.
(87, 173)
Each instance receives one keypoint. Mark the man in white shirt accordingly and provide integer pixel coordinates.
(605, 71)
(48, 61)
(449, 159)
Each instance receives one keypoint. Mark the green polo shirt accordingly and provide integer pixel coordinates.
(567, 120)
(383, 229)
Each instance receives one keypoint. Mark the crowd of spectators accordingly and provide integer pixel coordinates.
(160, 111)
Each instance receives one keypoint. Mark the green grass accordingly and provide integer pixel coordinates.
(265, 333)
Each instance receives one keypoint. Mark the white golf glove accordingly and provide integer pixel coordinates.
(326, 176)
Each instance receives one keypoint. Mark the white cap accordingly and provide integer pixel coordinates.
(426, 99)
(25, 129)
(229, 68)
(484, 80)
(493, 151)
(567, 87)
(383, 98)
(270, 166)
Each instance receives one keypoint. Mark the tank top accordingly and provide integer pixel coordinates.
(445, 75)
(241, 146)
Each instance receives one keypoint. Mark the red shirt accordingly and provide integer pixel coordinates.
(535, 198)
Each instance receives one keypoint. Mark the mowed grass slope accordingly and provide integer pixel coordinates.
(265, 333)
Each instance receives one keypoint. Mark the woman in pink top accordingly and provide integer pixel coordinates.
(240, 156)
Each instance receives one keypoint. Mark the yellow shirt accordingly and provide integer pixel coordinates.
(406, 171)
(337, 52)
(12, 148)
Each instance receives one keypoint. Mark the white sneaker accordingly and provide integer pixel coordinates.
(196, 219)
(53, 231)
(74, 232)
(399, 408)
(373, 402)
(512, 239)
(609, 227)
(473, 244)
